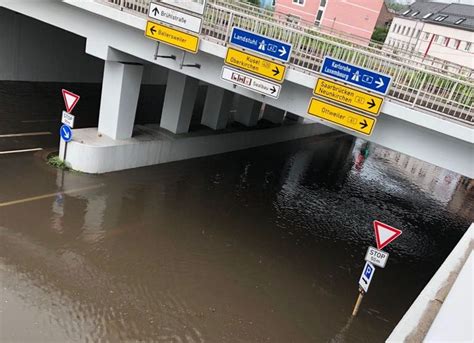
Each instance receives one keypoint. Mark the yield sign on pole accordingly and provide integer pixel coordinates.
(70, 100)
(385, 234)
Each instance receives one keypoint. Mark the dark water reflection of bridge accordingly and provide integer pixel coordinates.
(260, 245)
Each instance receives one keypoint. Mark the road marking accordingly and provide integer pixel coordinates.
(43, 133)
(50, 195)
(38, 120)
(18, 151)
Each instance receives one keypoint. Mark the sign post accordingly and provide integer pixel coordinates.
(70, 101)
(384, 235)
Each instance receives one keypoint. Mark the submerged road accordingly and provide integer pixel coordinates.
(262, 245)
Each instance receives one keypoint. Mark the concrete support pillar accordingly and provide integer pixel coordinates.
(294, 117)
(180, 96)
(248, 111)
(217, 108)
(118, 103)
(273, 114)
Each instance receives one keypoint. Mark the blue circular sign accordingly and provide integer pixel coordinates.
(66, 133)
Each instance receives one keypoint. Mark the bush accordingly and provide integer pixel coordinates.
(56, 162)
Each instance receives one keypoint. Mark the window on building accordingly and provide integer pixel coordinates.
(414, 14)
(446, 41)
(394, 27)
(440, 18)
(398, 29)
(318, 16)
(427, 36)
(427, 15)
(292, 19)
(418, 33)
(457, 43)
(467, 47)
(403, 30)
(459, 21)
(298, 2)
(409, 31)
(273, 3)
(406, 12)
(439, 39)
(323, 3)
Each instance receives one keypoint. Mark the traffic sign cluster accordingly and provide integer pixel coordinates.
(70, 101)
(173, 21)
(348, 95)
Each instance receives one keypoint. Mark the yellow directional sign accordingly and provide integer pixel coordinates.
(176, 38)
(257, 65)
(349, 96)
(341, 116)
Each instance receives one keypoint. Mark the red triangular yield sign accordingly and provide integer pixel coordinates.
(70, 100)
(385, 234)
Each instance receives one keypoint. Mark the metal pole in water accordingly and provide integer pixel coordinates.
(357, 304)
(65, 149)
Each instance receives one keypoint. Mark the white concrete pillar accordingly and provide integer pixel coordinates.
(273, 114)
(217, 108)
(294, 117)
(248, 111)
(178, 106)
(118, 103)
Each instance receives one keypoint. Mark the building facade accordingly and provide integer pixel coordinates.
(353, 17)
(435, 30)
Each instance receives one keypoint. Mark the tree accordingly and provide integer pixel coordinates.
(379, 35)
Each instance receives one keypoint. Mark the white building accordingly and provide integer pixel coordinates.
(435, 32)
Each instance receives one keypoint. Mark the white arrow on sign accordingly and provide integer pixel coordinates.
(66, 133)
(251, 82)
(282, 51)
(379, 83)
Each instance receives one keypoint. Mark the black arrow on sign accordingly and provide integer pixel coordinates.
(155, 11)
(363, 124)
(273, 90)
(152, 30)
(276, 71)
(371, 103)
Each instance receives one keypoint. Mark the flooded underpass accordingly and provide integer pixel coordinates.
(261, 245)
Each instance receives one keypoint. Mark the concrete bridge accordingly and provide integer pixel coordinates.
(427, 113)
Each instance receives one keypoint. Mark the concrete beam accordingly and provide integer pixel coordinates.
(217, 108)
(273, 114)
(118, 104)
(248, 111)
(178, 107)
(294, 117)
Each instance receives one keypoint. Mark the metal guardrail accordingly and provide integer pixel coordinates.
(414, 85)
(412, 57)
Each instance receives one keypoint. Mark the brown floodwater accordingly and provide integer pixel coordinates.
(262, 245)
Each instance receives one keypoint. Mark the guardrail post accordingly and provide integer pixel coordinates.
(229, 27)
(419, 90)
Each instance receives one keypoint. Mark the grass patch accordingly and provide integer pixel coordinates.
(56, 162)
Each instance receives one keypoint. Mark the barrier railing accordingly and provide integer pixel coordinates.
(412, 84)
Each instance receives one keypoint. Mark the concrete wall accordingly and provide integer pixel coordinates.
(31, 50)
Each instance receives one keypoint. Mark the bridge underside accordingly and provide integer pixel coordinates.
(125, 51)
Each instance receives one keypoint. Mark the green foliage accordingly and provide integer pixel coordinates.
(396, 6)
(56, 162)
(379, 35)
